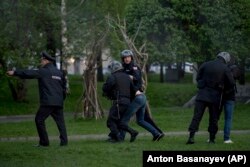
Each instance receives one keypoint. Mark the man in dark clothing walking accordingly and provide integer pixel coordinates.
(117, 88)
(211, 79)
(52, 88)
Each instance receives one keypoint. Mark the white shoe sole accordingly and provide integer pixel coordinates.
(228, 142)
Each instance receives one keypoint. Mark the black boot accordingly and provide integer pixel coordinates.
(114, 138)
(191, 138)
(133, 134)
(212, 138)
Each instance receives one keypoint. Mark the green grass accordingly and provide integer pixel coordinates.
(96, 153)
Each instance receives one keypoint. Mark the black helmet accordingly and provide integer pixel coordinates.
(225, 55)
(126, 53)
(115, 66)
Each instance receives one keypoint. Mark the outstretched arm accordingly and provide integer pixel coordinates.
(25, 74)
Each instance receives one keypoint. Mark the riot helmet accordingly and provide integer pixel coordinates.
(225, 55)
(115, 66)
(126, 53)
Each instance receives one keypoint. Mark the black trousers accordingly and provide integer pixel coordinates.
(113, 121)
(199, 110)
(57, 114)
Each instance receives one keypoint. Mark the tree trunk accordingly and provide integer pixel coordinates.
(89, 103)
(195, 71)
(18, 89)
(161, 73)
(100, 76)
(180, 69)
(64, 39)
(91, 106)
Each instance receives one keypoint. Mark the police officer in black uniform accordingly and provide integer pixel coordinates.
(134, 71)
(52, 93)
(211, 79)
(117, 88)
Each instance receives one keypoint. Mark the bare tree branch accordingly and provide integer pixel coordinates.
(91, 105)
(141, 57)
(137, 32)
(77, 6)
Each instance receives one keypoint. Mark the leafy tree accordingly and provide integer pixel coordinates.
(27, 28)
(180, 29)
(159, 27)
(241, 8)
(214, 26)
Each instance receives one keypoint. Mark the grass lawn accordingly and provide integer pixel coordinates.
(97, 152)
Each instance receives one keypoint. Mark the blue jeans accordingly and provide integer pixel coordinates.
(228, 111)
(138, 106)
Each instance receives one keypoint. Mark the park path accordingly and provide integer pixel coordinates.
(21, 118)
(104, 136)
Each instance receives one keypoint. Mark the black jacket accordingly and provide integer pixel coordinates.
(211, 78)
(135, 71)
(50, 81)
(231, 90)
(118, 87)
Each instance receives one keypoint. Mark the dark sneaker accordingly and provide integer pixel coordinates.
(190, 141)
(133, 136)
(112, 140)
(155, 138)
(63, 144)
(211, 141)
(108, 139)
(158, 137)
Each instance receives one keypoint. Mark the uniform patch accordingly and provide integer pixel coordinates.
(56, 77)
(135, 68)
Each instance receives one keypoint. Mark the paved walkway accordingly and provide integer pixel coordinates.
(20, 118)
(104, 136)
(16, 118)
